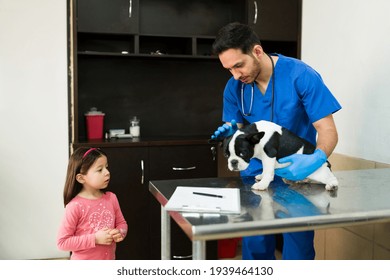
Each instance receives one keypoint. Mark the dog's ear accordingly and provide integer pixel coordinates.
(226, 142)
(255, 138)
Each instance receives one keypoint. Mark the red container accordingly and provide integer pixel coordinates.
(227, 248)
(94, 120)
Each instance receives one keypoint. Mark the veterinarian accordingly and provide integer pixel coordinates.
(288, 92)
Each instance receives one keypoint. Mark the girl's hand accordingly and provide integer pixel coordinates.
(103, 237)
(116, 235)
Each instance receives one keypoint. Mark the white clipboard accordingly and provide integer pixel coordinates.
(205, 200)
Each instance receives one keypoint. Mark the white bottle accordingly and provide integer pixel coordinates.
(134, 127)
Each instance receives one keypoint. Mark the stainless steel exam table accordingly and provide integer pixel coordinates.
(363, 197)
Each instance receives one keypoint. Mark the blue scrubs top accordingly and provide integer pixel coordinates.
(300, 98)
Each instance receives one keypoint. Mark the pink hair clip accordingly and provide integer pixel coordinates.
(89, 150)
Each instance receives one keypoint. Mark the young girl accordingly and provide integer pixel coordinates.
(93, 221)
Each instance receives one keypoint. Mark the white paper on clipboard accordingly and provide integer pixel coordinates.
(184, 200)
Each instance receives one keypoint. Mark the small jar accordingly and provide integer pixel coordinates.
(134, 127)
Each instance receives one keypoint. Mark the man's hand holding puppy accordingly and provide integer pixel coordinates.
(301, 165)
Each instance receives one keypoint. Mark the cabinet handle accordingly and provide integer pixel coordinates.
(182, 257)
(183, 168)
(130, 8)
(213, 152)
(255, 17)
(142, 172)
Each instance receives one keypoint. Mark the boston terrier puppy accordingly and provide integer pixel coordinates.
(269, 142)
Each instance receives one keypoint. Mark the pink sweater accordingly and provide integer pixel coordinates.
(83, 218)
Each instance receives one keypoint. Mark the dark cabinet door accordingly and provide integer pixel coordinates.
(128, 183)
(179, 162)
(189, 17)
(107, 16)
(275, 20)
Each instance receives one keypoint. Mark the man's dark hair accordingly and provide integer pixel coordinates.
(235, 36)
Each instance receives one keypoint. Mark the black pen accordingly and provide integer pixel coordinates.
(208, 194)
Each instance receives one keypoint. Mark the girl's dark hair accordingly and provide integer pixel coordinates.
(235, 36)
(80, 161)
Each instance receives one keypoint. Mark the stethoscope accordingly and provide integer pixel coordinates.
(252, 93)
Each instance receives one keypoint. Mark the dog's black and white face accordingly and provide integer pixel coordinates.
(240, 147)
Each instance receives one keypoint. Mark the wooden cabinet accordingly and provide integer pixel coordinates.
(182, 28)
(278, 24)
(275, 20)
(159, 27)
(178, 162)
(128, 183)
(190, 17)
(107, 16)
(158, 65)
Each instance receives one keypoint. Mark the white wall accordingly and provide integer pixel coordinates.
(33, 126)
(348, 42)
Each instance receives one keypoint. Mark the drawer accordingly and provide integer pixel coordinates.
(179, 162)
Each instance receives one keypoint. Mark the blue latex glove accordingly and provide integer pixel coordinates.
(225, 130)
(301, 165)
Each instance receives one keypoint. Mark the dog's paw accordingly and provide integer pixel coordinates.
(332, 185)
(260, 186)
(258, 177)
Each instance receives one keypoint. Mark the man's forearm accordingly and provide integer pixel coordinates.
(327, 135)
